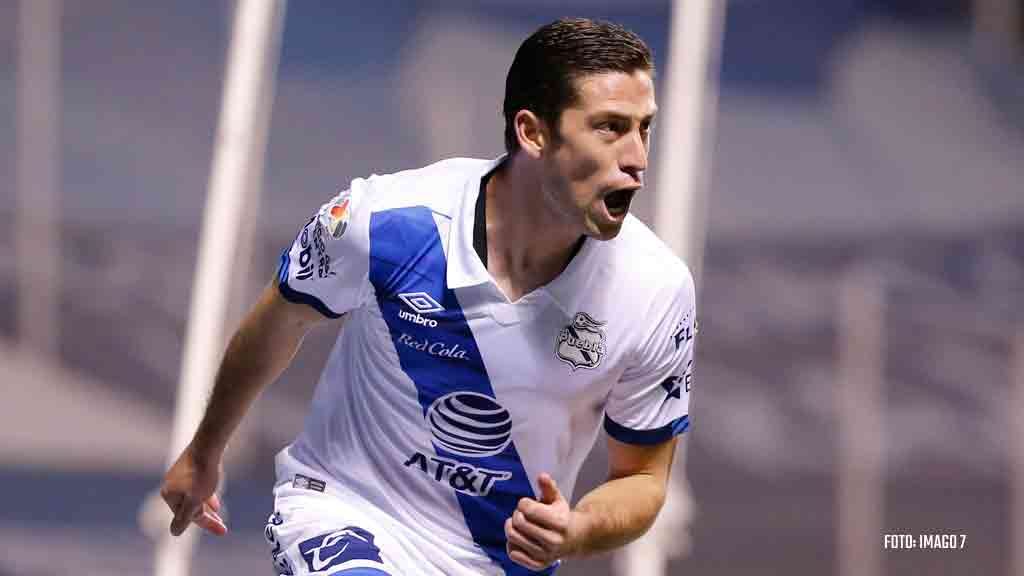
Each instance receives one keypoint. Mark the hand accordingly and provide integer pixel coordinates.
(539, 533)
(189, 490)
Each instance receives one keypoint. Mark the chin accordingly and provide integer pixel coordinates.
(603, 232)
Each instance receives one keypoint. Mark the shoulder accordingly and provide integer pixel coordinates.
(639, 263)
(438, 186)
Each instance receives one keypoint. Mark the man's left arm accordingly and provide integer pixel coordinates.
(615, 513)
(612, 515)
(645, 413)
(625, 506)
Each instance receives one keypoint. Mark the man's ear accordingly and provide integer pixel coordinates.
(531, 132)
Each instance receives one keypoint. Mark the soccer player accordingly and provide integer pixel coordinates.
(498, 312)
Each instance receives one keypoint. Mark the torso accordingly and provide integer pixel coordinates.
(449, 391)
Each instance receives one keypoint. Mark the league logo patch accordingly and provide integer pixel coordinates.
(581, 343)
(335, 548)
(336, 215)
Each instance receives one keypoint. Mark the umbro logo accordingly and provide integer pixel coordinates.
(420, 303)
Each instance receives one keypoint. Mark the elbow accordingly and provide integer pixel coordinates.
(655, 503)
(651, 493)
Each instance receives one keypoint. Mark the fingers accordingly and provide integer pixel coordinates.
(176, 502)
(544, 515)
(189, 489)
(518, 538)
(519, 557)
(530, 544)
(209, 519)
(183, 514)
(171, 498)
(524, 552)
(549, 540)
(205, 515)
(549, 493)
(538, 531)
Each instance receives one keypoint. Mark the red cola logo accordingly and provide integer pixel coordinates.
(435, 348)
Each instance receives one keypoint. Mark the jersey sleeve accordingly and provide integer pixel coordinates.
(326, 266)
(650, 403)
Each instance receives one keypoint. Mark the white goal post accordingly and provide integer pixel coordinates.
(237, 163)
(685, 140)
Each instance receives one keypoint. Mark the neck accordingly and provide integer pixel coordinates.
(528, 242)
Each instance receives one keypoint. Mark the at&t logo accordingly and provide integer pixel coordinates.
(470, 424)
(467, 424)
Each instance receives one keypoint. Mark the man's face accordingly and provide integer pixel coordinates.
(597, 162)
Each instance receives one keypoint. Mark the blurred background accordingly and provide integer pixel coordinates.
(861, 287)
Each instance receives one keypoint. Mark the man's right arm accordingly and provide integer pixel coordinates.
(259, 351)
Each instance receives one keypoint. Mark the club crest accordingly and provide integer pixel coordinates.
(581, 343)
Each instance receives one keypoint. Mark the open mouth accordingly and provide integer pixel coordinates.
(617, 202)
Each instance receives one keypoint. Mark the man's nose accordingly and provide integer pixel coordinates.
(634, 157)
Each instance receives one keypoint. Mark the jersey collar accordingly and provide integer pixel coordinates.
(464, 266)
(466, 269)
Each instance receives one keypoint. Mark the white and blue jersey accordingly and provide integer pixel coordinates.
(442, 401)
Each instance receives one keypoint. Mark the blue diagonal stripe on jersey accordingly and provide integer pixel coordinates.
(406, 256)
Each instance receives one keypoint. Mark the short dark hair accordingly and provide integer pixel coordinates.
(543, 73)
